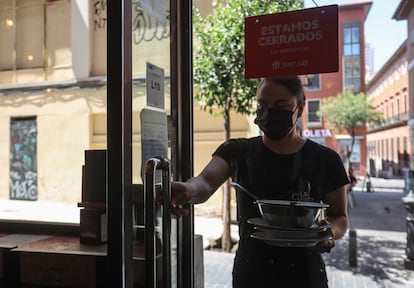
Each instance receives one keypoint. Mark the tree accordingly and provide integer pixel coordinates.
(219, 80)
(348, 110)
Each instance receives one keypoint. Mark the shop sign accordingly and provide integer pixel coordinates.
(292, 43)
(313, 133)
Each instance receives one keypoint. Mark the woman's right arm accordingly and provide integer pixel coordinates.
(198, 189)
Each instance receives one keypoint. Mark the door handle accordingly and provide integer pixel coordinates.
(152, 165)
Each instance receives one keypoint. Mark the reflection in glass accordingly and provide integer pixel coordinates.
(150, 45)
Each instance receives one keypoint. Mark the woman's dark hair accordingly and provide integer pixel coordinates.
(292, 83)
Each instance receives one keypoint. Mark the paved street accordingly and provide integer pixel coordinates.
(379, 221)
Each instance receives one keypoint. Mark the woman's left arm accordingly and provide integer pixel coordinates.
(336, 215)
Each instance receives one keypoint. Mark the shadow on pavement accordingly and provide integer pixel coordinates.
(379, 258)
(379, 221)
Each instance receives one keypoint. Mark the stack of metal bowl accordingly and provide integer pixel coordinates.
(290, 223)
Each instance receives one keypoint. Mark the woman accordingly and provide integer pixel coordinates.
(283, 165)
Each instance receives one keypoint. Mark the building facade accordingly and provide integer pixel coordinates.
(351, 73)
(42, 98)
(388, 144)
(405, 11)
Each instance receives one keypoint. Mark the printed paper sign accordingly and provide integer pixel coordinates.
(154, 137)
(292, 43)
(155, 86)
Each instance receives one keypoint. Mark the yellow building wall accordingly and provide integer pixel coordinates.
(72, 120)
(208, 135)
(63, 134)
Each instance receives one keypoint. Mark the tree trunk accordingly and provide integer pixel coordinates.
(226, 243)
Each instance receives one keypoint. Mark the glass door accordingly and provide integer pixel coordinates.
(148, 135)
(151, 149)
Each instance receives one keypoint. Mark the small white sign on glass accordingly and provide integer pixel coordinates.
(155, 86)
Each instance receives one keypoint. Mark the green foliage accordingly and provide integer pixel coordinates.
(348, 110)
(219, 57)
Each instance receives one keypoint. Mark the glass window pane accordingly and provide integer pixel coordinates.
(357, 85)
(355, 34)
(313, 107)
(7, 35)
(313, 82)
(356, 64)
(58, 41)
(348, 71)
(29, 34)
(356, 71)
(355, 49)
(347, 35)
(313, 118)
(348, 82)
(347, 50)
(347, 62)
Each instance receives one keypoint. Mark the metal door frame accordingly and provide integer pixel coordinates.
(119, 127)
(119, 143)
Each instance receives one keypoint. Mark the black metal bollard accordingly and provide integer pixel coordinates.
(408, 202)
(369, 186)
(353, 249)
(407, 179)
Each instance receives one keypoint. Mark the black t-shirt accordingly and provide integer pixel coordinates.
(307, 175)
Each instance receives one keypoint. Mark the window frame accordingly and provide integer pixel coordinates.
(310, 84)
(309, 123)
(351, 51)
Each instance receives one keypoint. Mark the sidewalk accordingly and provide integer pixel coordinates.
(381, 184)
(379, 221)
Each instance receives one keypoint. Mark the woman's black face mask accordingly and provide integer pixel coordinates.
(275, 123)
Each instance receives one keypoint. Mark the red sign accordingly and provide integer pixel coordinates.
(292, 43)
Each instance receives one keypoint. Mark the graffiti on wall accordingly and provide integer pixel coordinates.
(23, 163)
(99, 14)
(147, 28)
(144, 27)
